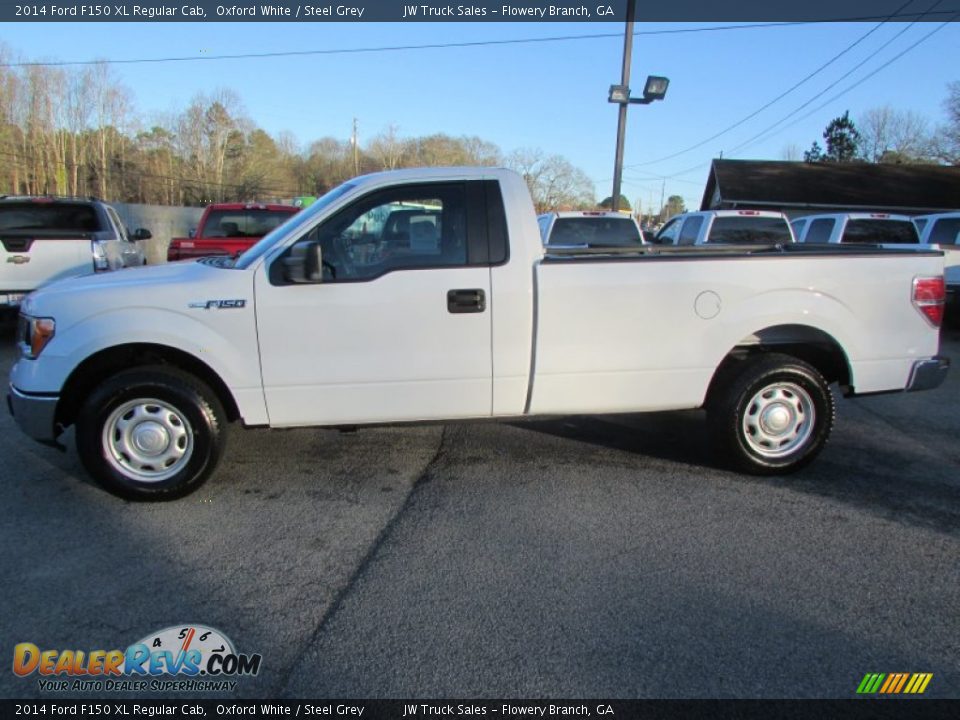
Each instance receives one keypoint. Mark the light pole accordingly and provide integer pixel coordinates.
(654, 89)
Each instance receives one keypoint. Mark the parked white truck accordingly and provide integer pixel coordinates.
(331, 321)
(45, 238)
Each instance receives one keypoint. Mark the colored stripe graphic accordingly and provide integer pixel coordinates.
(870, 683)
(894, 683)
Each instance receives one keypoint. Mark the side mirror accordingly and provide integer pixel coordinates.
(304, 264)
(142, 234)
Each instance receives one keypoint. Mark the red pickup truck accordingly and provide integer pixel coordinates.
(229, 229)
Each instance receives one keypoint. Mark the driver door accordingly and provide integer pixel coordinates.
(396, 327)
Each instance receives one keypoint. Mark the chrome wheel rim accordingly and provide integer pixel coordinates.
(778, 420)
(147, 440)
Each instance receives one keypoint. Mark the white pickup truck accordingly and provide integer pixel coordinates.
(331, 320)
(43, 239)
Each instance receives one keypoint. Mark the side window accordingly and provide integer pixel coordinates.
(946, 232)
(406, 227)
(797, 227)
(544, 222)
(118, 224)
(669, 232)
(819, 231)
(691, 229)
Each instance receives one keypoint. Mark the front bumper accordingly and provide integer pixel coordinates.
(928, 374)
(35, 414)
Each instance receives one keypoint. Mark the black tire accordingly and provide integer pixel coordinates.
(770, 415)
(172, 416)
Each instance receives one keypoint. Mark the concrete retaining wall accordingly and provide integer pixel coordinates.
(163, 221)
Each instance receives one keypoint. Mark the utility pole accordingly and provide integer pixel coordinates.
(356, 149)
(663, 188)
(622, 117)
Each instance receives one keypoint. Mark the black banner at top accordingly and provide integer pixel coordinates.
(479, 11)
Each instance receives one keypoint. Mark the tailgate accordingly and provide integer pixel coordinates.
(29, 261)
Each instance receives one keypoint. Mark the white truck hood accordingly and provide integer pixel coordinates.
(171, 286)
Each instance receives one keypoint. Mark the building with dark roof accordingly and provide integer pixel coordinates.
(801, 188)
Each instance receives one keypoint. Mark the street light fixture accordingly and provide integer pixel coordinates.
(654, 89)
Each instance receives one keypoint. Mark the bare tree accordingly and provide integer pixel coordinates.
(947, 138)
(888, 135)
(388, 148)
(553, 181)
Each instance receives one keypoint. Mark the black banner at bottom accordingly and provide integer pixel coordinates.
(915, 709)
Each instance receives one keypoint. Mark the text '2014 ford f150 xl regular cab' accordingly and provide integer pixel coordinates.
(342, 317)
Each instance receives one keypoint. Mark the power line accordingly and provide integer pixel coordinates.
(434, 46)
(778, 97)
(845, 90)
(766, 132)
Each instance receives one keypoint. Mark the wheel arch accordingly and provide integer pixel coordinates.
(94, 369)
(804, 342)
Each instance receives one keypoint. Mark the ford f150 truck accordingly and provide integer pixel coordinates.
(46, 238)
(330, 321)
(229, 229)
(763, 227)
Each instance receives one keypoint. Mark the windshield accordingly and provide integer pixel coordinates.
(298, 221)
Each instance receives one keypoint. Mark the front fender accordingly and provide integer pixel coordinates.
(224, 340)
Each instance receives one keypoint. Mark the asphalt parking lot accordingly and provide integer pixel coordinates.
(576, 557)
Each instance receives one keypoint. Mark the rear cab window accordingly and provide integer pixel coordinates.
(750, 230)
(595, 232)
(876, 231)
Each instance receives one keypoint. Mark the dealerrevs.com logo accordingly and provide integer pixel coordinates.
(184, 657)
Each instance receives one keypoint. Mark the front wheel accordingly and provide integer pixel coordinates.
(772, 415)
(151, 433)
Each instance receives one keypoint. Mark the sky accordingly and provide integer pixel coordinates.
(548, 95)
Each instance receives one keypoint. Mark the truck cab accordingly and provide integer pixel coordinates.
(856, 228)
(726, 227)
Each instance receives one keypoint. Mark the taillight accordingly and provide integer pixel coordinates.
(99, 257)
(929, 294)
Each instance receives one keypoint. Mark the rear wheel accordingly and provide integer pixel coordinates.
(771, 415)
(151, 433)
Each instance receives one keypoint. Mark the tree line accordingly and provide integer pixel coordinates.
(77, 132)
(886, 135)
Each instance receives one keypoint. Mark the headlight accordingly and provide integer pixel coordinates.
(33, 335)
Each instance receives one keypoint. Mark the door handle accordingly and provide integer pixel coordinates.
(466, 301)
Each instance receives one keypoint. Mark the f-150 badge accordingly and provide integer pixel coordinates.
(218, 304)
